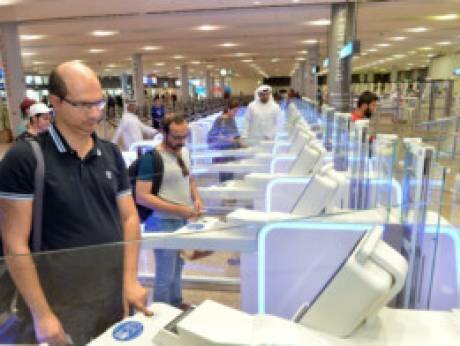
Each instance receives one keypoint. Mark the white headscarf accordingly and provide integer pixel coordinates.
(263, 88)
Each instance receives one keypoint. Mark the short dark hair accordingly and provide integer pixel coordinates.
(169, 119)
(56, 85)
(231, 104)
(366, 98)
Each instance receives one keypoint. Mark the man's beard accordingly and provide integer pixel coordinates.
(368, 113)
(174, 147)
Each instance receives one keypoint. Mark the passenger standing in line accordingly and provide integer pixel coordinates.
(87, 201)
(39, 120)
(157, 112)
(24, 106)
(224, 135)
(131, 129)
(174, 100)
(293, 114)
(262, 117)
(367, 105)
(177, 201)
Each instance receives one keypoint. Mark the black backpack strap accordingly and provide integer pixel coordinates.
(37, 212)
(158, 170)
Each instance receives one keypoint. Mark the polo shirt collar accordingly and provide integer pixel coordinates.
(63, 146)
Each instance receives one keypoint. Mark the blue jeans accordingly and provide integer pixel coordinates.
(168, 264)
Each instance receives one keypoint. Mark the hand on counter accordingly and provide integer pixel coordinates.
(198, 205)
(135, 295)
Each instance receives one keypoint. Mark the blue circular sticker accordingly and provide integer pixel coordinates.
(127, 331)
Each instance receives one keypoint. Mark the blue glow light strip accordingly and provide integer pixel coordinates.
(311, 226)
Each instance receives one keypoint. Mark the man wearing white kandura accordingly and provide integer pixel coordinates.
(262, 117)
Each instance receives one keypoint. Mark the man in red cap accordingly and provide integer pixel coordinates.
(39, 120)
(25, 105)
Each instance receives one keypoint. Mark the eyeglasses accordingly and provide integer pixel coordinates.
(100, 104)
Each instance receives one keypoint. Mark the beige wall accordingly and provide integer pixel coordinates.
(246, 86)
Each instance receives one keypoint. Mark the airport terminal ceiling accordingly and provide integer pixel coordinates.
(254, 39)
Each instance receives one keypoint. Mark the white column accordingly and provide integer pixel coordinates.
(184, 89)
(124, 84)
(302, 76)
(14, 75)
(138, 82)
(394, 75)
(311, 84)
(208, 83)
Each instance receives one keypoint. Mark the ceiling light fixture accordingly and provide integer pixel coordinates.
(248, 60)
(104, 33)
(31, 37)
(417, 29)
(96, 50)
(208, 27)
(178, 57)
(195, 62)
(426, 48)
(397, 38)
(448, 16)
(372, 50)
(320, 22)
(150, 48)
(161, 63)
(444, 43)
(311, 41)
(228, 44)
(383, 45)
(28, 53)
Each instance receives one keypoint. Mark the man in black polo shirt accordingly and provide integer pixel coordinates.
(87, 201)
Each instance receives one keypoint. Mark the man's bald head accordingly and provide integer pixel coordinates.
(70, 78)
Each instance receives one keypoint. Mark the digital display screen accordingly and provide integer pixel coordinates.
(457, 71)
(349, 49)
(326, 63)
(29, 79)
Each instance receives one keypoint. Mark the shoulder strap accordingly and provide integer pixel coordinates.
(37, 212)
(158, 170)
